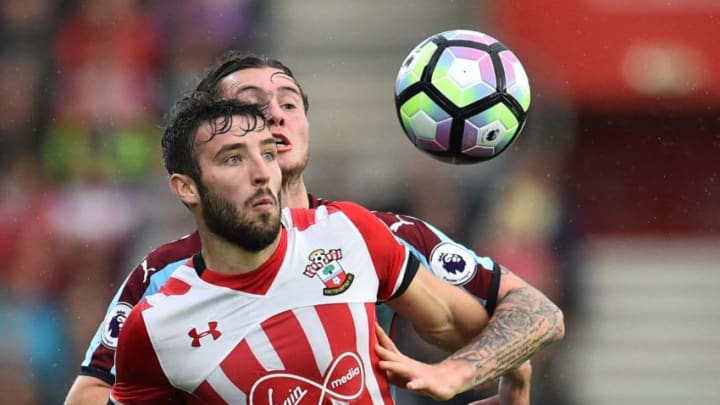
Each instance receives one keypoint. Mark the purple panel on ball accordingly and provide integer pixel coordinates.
(466, 53)
(480, 151)
(467, 35)
(470, 134)
(442, 134)
(430, 145)
(508, 59)
(470, 142)
(482, 58)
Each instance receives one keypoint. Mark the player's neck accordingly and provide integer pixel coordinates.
(225, 257)
(294, 194)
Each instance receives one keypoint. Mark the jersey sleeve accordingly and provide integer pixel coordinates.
(446, 259)
(394, 264)
(140, 378)
(145, 279)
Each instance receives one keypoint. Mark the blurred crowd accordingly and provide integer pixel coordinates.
(84, 85)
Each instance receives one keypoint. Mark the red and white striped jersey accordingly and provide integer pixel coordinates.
(297, 330)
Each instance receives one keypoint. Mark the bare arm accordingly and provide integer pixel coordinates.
(523, 323)
(88, 390)
(442, 314)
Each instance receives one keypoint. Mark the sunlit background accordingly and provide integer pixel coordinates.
(609, 202)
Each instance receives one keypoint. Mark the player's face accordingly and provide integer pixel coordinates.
(288, 122)
(240, 190)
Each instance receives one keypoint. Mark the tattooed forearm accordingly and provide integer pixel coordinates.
(524, 322)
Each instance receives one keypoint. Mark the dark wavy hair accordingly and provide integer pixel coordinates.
(234, 61)
(188, 115)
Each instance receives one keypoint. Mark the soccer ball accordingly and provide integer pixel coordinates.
(462, 96)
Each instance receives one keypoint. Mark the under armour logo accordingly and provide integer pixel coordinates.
(395, 226)
(212, 331)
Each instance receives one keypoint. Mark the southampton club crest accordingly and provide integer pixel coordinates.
(327, 267)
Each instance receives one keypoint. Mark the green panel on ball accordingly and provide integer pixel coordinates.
(412, 69)
(504, 115)
(422, 102)
(423, 58)
(450, 89)
(413, 105)
(410, 108)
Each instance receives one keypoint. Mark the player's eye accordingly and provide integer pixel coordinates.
(269, 156)
(233, 160)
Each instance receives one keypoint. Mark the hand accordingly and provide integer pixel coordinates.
(515, 385)
(514, 388)
(440, 381)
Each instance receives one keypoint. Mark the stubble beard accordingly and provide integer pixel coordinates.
(224, 219)
(293, 174)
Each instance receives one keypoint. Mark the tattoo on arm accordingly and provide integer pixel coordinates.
(524, 322)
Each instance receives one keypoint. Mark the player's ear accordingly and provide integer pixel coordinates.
(185, 188)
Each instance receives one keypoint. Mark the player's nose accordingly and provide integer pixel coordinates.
(276, 115)
(260, 172)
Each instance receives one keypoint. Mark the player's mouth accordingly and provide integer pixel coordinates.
(282, 142)
(263, 203)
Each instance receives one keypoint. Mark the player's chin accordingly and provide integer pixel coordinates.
(268, 219)
(292, 168)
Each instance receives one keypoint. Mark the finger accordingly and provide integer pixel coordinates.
(400, 367)
(384, 339)
(386, 354)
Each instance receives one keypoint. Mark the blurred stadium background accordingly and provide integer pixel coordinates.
(609, 202)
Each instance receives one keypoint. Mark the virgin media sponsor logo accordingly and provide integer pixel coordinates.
(343, 380)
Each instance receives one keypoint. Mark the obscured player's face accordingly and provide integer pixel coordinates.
(288, 122)
(240, 189)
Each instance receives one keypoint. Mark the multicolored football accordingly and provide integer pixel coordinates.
(462, 96)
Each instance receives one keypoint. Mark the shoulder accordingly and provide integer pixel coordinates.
(134, 338)
(134, 322)
(174, 252)
(304, 218)
(350, 209)
(146, 278)
(140, 376)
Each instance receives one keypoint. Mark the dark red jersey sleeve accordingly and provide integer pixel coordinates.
(445, 258)
(145, 279)
(140, 378)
